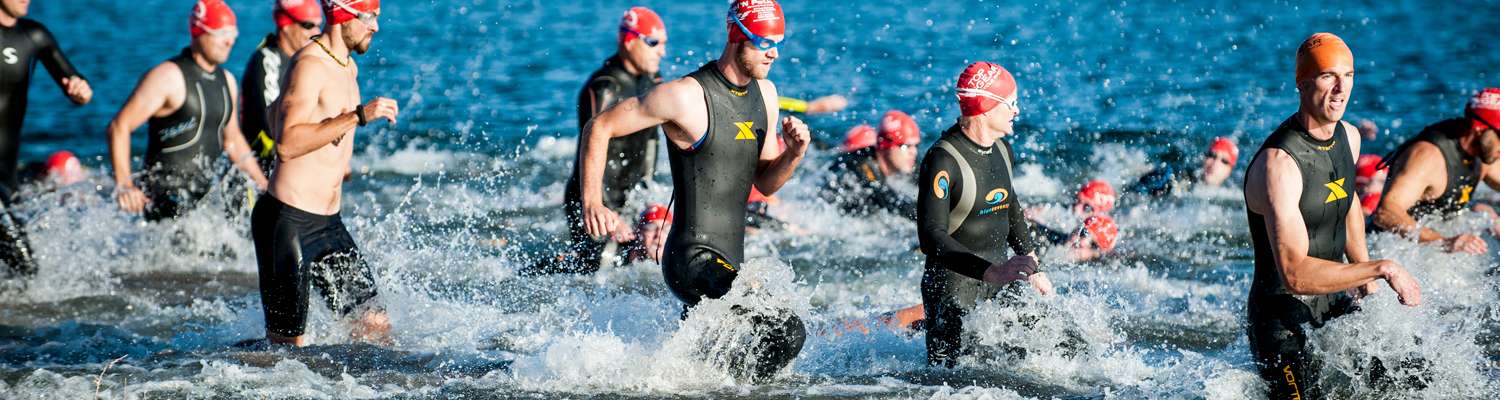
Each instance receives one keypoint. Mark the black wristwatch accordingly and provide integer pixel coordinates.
(359, 112)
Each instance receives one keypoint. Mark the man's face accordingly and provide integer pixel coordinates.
(646, 57)
(756, 63)
(1002, 118)
(1326, 96)
(359, 32)
(215, 45)
(299, 32)
(1489, 145)
(904, 156)
(1216, 167)
(15, 8)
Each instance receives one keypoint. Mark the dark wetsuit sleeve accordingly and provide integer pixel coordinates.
(604, 93)
(1020, 234)
(932, 218)
(52, 56)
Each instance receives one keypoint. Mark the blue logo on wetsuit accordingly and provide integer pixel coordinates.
(995, 198)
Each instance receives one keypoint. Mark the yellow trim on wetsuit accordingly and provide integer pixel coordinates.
(791, 104)
(266, 144)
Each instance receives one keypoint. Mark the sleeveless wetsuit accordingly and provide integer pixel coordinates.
(293, 247)
(1463, 169)
(1277, 340)
(631, 160)
(182, 146)
(955, 265)
(262, 85)
(21, 47)
(712, 183)
(856, 185)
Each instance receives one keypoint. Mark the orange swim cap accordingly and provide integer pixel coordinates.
(1319, 52)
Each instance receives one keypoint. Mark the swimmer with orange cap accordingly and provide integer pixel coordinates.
(1311, 261)
(1434, 174)
(296, 23)
(969, 213)
(1213, 170)
(298, 232)
(188, 105)
(857, 181)
(721, 124)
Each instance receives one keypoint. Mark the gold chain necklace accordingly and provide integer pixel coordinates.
(335, 58)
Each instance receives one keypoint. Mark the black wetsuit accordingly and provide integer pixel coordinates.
(857, 187)
(631, 161)
(293, 247)
(183, 146)
(262, 85)
(712, 186)
(957, 259)
(1463, 169)
(1162, 181)
(21, 47)
(1277, 340)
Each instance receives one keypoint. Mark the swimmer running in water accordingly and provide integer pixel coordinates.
(1435, 174)
(188, 104)
(26, 42)
(1310, 256)
(1216, 166)
(300, 239)
(718, 123)
(968, 212)
(296, 22)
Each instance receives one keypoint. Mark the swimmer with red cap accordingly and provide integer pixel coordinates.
(296, 23)
(858, 137)
(651, 231)
(858, 180)
(1214, 168)
(298, 233)
(1435, 174)
(1369, 181)
(631, 72)
(969, 212)
(720, 123)
(188, 105)
(1308, 233)
(1093, 231)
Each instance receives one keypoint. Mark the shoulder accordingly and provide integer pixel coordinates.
(34, 30)
(767, 89)
(679, 90)
(166, 71)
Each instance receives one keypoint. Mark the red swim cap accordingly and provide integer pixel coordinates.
(859, 137)
(1365, 168)
(654, 213)
(1098, 195)
(289, 12)
(210, 16)
(762, 17)
(1319, 52)
(1370, 202)
(982, 86)
(341, 11)
(64, 169)
(1103, 230)
(1226, 146)
(896, 129)
(1485, 105)
(642, 20)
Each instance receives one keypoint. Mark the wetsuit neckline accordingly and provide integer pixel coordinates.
(718, 74)
(959, 131)
(187, 54)
(1296, 125)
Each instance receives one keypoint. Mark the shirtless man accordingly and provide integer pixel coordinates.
(298, 234)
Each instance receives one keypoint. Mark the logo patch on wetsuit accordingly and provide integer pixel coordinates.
(1335, 191)
(746, 132)
(724, 264)
(1328, 147)
(940, 185)
(1291, 380)
(1464, 197)
(995, 198)
(738, 93)
(10, 56)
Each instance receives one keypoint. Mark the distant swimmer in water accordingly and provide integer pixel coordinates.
(632, 72)
(301, 242)
(823, 105)
(968, 211)
(1088, 231)
(1216, 166)
(1434, 174)
(645, 243)
(1369, 181)
(718, 122)
(296, 22)
(1310, 256)
(858, 180)
(26, 42)
(188, 104)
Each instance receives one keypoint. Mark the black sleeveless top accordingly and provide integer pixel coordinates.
(631, 157)
(1463, 169)
(1327, 168)
(712, 179)
(182, 145)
